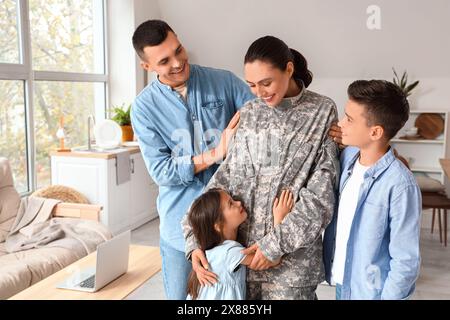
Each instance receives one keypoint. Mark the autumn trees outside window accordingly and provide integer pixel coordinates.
(52, 63)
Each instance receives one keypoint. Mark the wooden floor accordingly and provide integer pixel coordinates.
(433, 282)
(434, 279)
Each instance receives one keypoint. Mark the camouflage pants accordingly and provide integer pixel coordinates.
(270, 291)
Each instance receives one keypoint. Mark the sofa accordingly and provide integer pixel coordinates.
(34, 245)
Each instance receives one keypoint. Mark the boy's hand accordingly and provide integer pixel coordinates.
(282, 206)
(335, 133)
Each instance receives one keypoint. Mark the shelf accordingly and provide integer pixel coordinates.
(429, 141)
(426, 169)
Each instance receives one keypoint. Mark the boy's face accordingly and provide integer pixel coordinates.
(169, 60)
(355, 130)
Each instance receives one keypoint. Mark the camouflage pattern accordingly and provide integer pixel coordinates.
(286, 147)
(274, 291)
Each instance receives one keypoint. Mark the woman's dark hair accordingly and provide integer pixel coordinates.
(149, 33)
(274, 51)
(385, 104)
(204, 214)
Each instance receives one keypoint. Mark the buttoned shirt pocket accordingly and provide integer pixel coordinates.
(373, 221)
(211, 105)
(216, 114)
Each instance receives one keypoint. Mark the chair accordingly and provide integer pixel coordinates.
(440, 204)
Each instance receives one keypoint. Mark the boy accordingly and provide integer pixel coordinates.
(371, 247)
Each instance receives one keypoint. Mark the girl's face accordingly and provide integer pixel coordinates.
(267, 82)
(233, 212)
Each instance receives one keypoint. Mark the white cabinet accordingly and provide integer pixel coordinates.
(127, 205)
(423, 155)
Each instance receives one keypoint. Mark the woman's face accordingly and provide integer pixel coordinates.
(267, 82)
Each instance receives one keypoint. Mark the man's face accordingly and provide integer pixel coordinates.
(169, 60)
(355, 130)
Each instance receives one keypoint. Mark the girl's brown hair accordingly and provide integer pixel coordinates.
(204, 214)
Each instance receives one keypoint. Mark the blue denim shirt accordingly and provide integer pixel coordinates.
(171, 131)
(383, 257)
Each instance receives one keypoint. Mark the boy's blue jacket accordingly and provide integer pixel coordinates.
(383, 257)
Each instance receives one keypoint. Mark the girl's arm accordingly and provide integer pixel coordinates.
(282, 206)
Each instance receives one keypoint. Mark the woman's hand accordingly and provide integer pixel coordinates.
(227, 135)
(259, 262)
(200, 266)
(335, 133)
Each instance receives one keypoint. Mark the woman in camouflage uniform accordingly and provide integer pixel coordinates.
(281, 143)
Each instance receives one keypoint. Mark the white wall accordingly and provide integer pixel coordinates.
(332, 35)
(126, 77)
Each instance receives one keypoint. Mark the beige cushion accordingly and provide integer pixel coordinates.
(22, 269)
(427, 184)
(43, 262)
(2, 249)
(14, 276)
(9, 199)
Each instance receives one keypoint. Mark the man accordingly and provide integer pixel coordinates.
(181, 120)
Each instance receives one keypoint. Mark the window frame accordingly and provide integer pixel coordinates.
(24, 71)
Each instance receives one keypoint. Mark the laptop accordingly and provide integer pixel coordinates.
(112, 262)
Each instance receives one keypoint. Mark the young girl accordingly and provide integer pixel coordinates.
(215, 217)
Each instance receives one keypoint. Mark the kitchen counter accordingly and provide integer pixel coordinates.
(96, 154)
(128, 200)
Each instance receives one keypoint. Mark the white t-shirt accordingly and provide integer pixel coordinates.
(346, 212)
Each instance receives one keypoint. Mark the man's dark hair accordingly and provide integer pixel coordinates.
(384, 102)
(149, 33)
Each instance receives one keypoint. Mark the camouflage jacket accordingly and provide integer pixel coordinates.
(274, 149)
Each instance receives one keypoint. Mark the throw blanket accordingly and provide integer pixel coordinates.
(34, 227)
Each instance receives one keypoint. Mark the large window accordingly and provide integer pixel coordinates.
(13, 142)
(52, 64)
(9, 37)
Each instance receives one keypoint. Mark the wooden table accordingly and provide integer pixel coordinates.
(144, 262)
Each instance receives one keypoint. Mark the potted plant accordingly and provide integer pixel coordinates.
(122, 117)
(403, 83)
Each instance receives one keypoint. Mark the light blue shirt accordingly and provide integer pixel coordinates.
(171, 131)
(225, 261)
(383, 256)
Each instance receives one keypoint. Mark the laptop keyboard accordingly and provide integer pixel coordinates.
(88, 283)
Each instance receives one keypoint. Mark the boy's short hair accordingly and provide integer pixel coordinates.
(149, 33)
(385, 104)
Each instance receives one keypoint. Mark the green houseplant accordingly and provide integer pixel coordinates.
(403, 83)
(122, 117)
